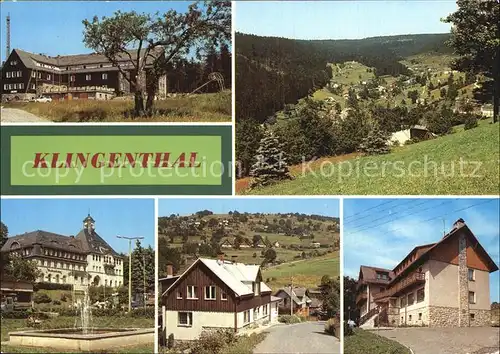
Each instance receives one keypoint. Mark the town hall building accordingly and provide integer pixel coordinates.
(81, 260)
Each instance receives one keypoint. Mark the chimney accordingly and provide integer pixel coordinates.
(459, 223)
(170, 270)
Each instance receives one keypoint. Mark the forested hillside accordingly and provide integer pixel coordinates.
(185, 76)
(254, 238)
(272, 72)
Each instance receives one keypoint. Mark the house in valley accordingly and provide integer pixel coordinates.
(226, 244)
(442, 284)
(294, 300)
(216, 294)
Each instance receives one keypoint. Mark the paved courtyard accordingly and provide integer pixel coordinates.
(301, 338)
(484, 340)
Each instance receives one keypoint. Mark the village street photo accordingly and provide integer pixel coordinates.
(421, 276)
(116, 61)
(249, 275)
(77, 275)
(367, 97)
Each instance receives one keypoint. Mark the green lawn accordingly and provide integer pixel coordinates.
(362, 342)
(305, 273)
(463, 163)
(211, 107)
(12, 325)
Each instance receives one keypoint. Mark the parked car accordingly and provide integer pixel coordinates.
(43, 99)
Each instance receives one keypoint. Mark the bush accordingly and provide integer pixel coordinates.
(40, 298)
(213, 342)
(149, 312)
(439, 123)
(19, 314)
(56, 302)
(65, 297)
(289, 319)
(330, 327)
(51, 286)
(470, 122)
(170, 341)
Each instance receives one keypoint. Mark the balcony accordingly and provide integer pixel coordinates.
(412, 279)
(361, 297)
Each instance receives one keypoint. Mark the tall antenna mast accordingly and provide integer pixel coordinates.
(8, 37)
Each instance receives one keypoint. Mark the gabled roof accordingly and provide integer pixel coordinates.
(458, 226)
(63, 61)
(93, 243)
(237, 276)
(369, 274)
(422, 253)
(45, 238)
(298, 295)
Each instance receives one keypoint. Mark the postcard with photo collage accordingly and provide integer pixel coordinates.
(250, 177)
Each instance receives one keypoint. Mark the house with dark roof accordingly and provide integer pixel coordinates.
(442, 284)
(77, 260)
(65, 77)
(294, 300)
(215, 294)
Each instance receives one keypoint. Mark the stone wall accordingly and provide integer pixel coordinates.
(440, 316)
(481, 318)
(463, 282)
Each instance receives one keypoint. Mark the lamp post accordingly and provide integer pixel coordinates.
(130, 267)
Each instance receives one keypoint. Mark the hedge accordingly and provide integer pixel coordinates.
(51, 286)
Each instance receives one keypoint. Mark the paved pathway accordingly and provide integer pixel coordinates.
(14, 115)
(483, 340)
(301, 338)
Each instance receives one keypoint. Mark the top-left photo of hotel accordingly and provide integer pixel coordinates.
(144, 61)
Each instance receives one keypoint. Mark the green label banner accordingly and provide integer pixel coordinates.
(152, 160)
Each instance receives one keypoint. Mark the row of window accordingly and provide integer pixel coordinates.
(13, 86)
(210, 293)
(12, 74)
(106, 259)
(185, 319)
(101, 269)
(409, 299)
(62, 254)
(61, 265)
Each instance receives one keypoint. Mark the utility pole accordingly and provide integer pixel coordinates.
(291, 296)
(130, 267)
(144, 279)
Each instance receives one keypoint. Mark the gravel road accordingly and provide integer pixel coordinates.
(447, 340)
(13, 115)
(301, 338)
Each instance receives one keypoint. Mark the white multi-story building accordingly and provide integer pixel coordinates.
(77, 260)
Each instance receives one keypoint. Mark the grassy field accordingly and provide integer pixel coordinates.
(213, 107)
(463, 163)
(366, 342)
(305, 273)
(11, 325)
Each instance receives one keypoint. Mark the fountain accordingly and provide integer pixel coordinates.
(84, 337)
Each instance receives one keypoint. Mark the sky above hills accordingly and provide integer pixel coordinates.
(317, 206)
(342, 19)
(124, 217)
(381, 232)
(55, 28)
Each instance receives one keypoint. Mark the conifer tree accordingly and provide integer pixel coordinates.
(271, 162)
(375, 143)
